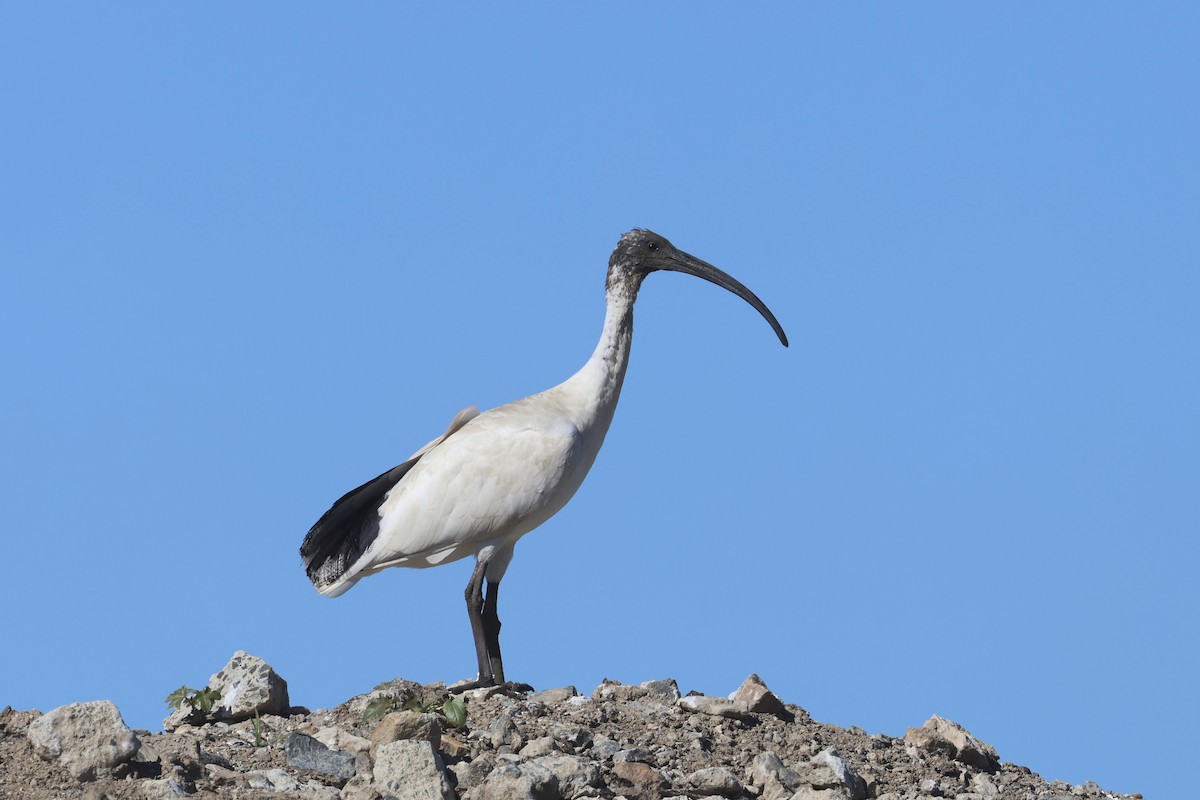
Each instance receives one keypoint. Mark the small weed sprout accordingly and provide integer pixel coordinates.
(450, 709)
(200, 702)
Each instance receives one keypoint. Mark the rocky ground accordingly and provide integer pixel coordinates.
(642, 742)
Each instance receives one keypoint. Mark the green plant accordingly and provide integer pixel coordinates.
(450, 709)
(454, 711)
(379, 707)
(200, 702)
(262, 731)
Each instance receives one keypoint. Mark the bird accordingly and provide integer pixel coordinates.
(493, 477)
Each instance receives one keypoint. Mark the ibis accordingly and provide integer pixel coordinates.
(494, 476)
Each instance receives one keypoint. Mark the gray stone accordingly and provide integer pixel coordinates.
(469, 774)
(632, 754)
(146, 760)
(757, 697)
(576, 776)
(527, 781)
(984, 785)
(305, 752)
(410, 769)
(603, 747)
(945, 736)
(87, 739)
(551, 696)
(665, 691)
(715, 780)
(829, 771)
(573, 736)
(769, 773)
(714, 706)
(504, 733)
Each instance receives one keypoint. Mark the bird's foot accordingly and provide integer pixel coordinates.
(511, 689)
(515, 689)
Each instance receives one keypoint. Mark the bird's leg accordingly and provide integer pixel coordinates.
(491, 632)
(485, 627)
(475, 609)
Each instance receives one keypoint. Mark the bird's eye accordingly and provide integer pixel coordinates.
(653, 246)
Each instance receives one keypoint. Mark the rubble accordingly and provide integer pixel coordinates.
(636, 741)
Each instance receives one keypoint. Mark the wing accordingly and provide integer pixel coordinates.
(345, 531)
(508, 472)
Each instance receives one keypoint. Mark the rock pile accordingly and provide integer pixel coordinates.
(643, 742)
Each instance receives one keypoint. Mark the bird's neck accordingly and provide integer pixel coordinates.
(600, 379)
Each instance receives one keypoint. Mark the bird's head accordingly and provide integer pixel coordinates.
(640, 252)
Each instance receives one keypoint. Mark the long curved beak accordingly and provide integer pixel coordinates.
(680, 261)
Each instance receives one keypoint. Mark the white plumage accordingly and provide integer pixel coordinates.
(494, 476)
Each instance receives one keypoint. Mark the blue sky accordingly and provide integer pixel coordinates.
(253, 255)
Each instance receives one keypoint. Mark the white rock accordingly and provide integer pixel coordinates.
(248, 684)
(88, 739)
(410, 769)
(828, 771)
(338, 739)
(715, 706)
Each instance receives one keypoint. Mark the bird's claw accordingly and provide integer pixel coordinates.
(511, 689)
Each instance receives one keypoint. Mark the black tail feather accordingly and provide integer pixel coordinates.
(347, 529)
